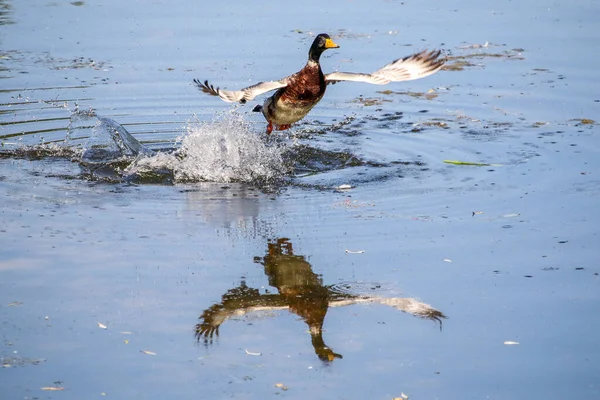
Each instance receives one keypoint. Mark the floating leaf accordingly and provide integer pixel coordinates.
(281, 386)
(14, 303)
(474, 164)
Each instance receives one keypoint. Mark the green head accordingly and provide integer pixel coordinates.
(322, 42)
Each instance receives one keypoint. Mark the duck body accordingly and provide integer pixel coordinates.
(298, 93)
(293, 102)
(302, 92)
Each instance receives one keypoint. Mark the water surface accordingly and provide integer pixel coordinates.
(113, 282)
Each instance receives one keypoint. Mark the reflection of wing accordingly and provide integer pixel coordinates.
(244, 95)
(212, 318)
(412, 306)
(408, 305)
(416, 66)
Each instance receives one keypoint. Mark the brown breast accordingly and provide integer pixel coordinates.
(306, 87)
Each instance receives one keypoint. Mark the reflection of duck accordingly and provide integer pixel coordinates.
(302, 292)
(297, 94)
(301, 289)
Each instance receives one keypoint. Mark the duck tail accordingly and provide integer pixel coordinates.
(257, 108)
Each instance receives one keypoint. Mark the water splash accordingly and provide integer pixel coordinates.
(224, 150)
(101, 139)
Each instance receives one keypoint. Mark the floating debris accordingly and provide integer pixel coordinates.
(101, 325)
(439, 124)
(458, 65)
(456, 162)
(429, 95)
(353, 204)
(477, 213)
(476, 46)
(150, 353)
(14, 303)
(447, 260)
(250, 353)
(539, 124)
(370, 101)
(510, 342)
(8, 362)
(281, 386)
(344, 187)
(584, 121)
(52, 388)
(355, 251)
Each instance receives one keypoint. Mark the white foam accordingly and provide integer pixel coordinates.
(224, 150)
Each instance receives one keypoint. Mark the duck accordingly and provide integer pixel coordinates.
(298, 93)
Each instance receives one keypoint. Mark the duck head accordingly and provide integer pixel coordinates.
(322, 42)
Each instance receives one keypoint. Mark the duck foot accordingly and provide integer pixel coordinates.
(269, 128)
(284, 127)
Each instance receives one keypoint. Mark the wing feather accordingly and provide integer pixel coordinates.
(415, 66)
(243, 95)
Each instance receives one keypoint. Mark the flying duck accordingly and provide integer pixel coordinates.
(298, 93)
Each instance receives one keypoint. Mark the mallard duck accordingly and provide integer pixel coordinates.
(297, 94)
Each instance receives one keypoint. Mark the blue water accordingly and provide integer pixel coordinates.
(507, 252)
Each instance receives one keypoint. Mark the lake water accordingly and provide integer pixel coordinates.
(222, 263)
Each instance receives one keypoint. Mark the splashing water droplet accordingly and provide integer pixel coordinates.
(224, 150)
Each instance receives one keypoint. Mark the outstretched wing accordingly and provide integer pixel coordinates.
(416, 66)
(244, 95)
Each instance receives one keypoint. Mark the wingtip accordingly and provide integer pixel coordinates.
(206, 87)
(435, 59)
